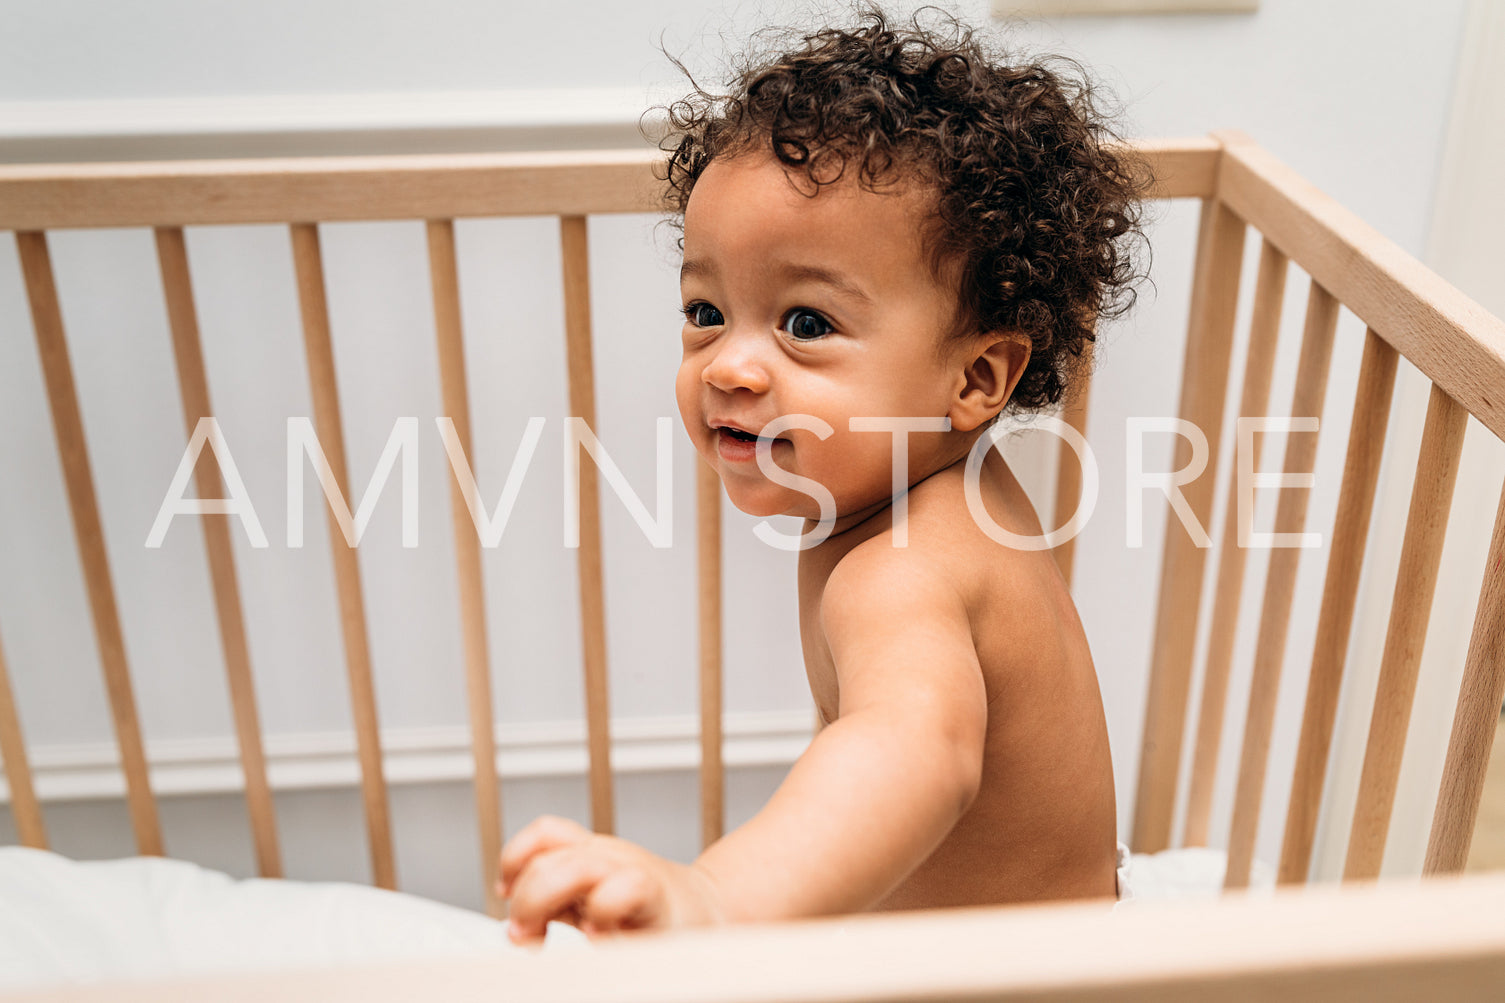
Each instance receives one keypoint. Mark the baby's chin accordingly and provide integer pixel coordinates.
(763, 507)
(761, 502)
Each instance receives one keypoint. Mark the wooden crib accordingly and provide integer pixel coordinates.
(1235, 949)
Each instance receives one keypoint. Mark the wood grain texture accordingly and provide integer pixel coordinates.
(309, 268)
(444, 277)
(1475, 721)
(582, 382)
(25, 810)
(1280, 586)
(1345, 558)
(73, 455)
(1220, 251)
(193, 387)
(1259, 365)
(708, 555)
(1410, 609)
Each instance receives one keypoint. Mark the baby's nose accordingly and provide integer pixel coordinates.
(737, 366)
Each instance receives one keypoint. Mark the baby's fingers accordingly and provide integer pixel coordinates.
(626, 899)
(545, 833)
(549, 889)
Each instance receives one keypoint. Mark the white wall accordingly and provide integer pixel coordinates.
(1354, 95)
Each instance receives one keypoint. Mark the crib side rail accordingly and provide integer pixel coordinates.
(1458, 344)
(1461, 348)
(1450, 945)
(1410, 312)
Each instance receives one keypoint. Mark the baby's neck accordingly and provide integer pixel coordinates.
(847, 522)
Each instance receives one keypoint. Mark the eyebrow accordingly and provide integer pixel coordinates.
(800, 273)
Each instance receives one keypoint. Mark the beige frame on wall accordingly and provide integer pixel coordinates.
(1086, 8)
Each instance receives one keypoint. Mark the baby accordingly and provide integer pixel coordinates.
(889, 238)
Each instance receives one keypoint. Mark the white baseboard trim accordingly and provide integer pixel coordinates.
(314, 760)
(316, 124)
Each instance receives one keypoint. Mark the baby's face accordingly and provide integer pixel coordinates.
(813, 306)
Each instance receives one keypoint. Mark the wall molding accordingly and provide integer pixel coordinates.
(314, 760)
(328, 124)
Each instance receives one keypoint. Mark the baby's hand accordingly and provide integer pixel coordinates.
(555, 869)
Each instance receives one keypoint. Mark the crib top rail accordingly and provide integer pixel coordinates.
(1451, 946)
(1457, 343)
(400, 186)
(327, 189)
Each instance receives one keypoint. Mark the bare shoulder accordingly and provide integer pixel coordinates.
(878, 590)
(949, 526)
(899, 632)
(1009, 592)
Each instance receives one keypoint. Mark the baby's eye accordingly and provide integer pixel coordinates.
(806, 325)
(703, 315)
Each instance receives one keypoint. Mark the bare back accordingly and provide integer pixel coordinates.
(1043, 824)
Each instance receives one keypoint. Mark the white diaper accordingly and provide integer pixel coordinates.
(1191, 872)
(1121, 884)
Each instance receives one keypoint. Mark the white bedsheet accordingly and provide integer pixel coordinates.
(72, 921)
(147, 917)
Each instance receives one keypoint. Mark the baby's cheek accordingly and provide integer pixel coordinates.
(686, 395)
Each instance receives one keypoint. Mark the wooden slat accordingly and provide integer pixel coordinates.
(404, 186)
(1410, 609)
(309, 267)
(1280, 586)
(577, 328)
(445, 278)
(1220, 252)
(1361, 467)
(1392, 942)
(193, 385)
(708, 552)
(1264, 330)
(1475, 720)
(23, 798)
(1458, 344)
(68, 426)
(1068, 464)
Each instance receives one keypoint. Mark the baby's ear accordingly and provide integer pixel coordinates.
(992, 367)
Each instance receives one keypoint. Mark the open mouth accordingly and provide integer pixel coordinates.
(741, 436)
(741, 443)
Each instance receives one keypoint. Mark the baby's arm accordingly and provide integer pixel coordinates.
(874, 794)
(881, 786)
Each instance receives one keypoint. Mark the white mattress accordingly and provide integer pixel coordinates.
(142, 917)
(148, 917)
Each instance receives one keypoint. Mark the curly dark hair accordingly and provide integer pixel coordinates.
(1034, 194)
